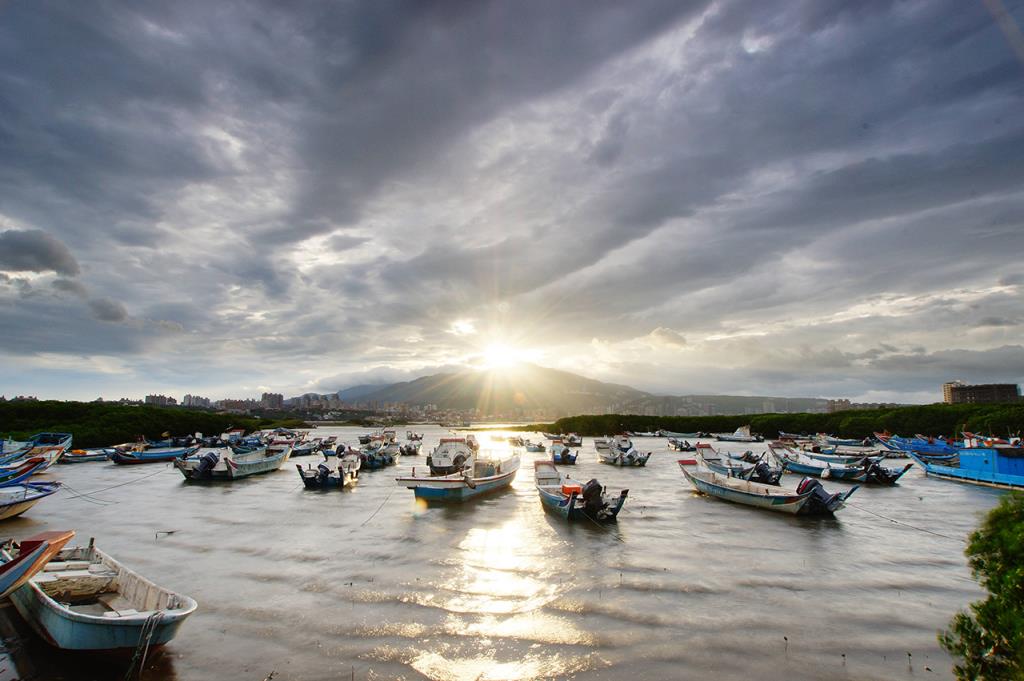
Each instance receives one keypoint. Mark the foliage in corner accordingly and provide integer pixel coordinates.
(989, 639)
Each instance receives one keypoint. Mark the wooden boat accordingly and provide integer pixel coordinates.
(84, 455)
(630, 457)
(154, 455)
(561, 454)
(229, 462)
(455, 472)
(991, 466)
(867, 471)
(83, 599)
(742, 434)
(810, 498)
(344, 474)
(32, 555)
(570, 500)
(16, 499)
(16, 474)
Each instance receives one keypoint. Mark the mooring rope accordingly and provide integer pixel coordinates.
(913, 527)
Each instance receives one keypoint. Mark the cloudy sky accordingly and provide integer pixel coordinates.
(811, 198)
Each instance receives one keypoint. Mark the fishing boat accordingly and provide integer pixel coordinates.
(413, 437)
(374, 457)
(456, 472)
(144, 454)
(810, 498)
(230, 462)
(561, 454)
(678, 445)
(571, 500)
(630, 457)
(36, 445)
(670, 433)
(829, 440)
(742, 434)
(534, 446)
(551, 436)
(1000, 466)
(84, 455)
(841, 458)
(602, 443)
(83, 599)
(32, 555)
(306, 447)
(918, 445)
(637, 433)
(18, 473)
(16, 499)
(343, 474)
(411, 448)
(365, 439)
(793, 436)
(572, 440)
(746, 466)
(516, 441)
(866, 471)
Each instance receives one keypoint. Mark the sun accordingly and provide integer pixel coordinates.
(500, 356)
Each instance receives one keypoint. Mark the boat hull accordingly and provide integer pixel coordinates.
(972, 476)
(783, 503)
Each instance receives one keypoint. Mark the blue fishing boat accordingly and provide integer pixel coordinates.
(570, 500)
(154, 455)
(17, 474)
(866, 471)
(16, 499)
(999, 466)
(32, 556)
(456, 472)
(84, 455)
(561, 454)
(86, 600)
(919, 444)
(49, 445)
(810, 498)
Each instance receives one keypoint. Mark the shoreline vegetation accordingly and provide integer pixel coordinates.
(927, 419)
(95, 424)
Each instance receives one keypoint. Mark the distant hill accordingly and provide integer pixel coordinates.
(531, 387)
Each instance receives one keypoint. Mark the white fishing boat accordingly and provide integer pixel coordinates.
(15, 499)
(85, 600)
(602, 444)
(630, 457)
(456, 471)
(742, 434)
(228, 462)
(344, 473)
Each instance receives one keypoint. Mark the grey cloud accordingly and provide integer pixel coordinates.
(108, 310)
(70, 286)
(344, 242)
(34, 250)
(998, 321)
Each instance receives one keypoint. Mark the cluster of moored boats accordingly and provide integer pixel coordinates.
(80, 598)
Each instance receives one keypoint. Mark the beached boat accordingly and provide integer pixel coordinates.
(16, 499)
(630, 457)
(306, 447)
(865, 471)
(83, 599)
(571, 500)
(84, 455)
(742, 434)
(810, 498)
(344, 473)
(229, 462)
(455, 471)
(144, 454)
(1000, 466)
(30, 556)
(561, 454)
(16, 474)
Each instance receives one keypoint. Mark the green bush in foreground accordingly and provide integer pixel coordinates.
(990, 638)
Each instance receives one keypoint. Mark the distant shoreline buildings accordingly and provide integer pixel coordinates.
(958, 392)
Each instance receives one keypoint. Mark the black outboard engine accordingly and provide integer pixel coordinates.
(322, 473)
(593, 500)
(204, 469)
(820, 501)
(764, 474)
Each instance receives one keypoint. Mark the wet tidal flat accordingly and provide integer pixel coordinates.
(368, 584)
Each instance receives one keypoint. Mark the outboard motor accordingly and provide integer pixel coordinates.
(204, 469)
(820, 501)
(764, 474)
(322, 473)
(593, 500)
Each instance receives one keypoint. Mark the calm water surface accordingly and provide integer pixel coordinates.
(366, 584)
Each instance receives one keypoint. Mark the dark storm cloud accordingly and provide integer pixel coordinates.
(303, 188)
(35, 251)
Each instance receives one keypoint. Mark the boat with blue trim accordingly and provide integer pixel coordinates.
(810, 498)
(16, 499)
(564, 497)
(561, 454)
(455, 471)
(19, 473)
(32, 556)
(866, 471)
(979, 463)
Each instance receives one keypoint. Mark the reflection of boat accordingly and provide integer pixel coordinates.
(455, 472)
(16, 499)
(810, 498)
(228, 462)
(979, 464)
(742, 434)
(569, 499)
(561, 454)
(32, 556)
(344, 474)
(86, 600)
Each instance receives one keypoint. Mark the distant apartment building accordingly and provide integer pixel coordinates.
(272, 401)
(161, 400)
(957, 392)
(195, 401)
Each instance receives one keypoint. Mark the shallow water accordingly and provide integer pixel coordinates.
(366, 584)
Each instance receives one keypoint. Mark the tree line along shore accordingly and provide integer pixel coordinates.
(929, 419)
(96, 424)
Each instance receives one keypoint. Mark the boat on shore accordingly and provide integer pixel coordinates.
(30, 556)
(16, 499)
(809, 498)
(1000, 466)
(456, 472)
(563, 496)
(230, 462)
(83, 599)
